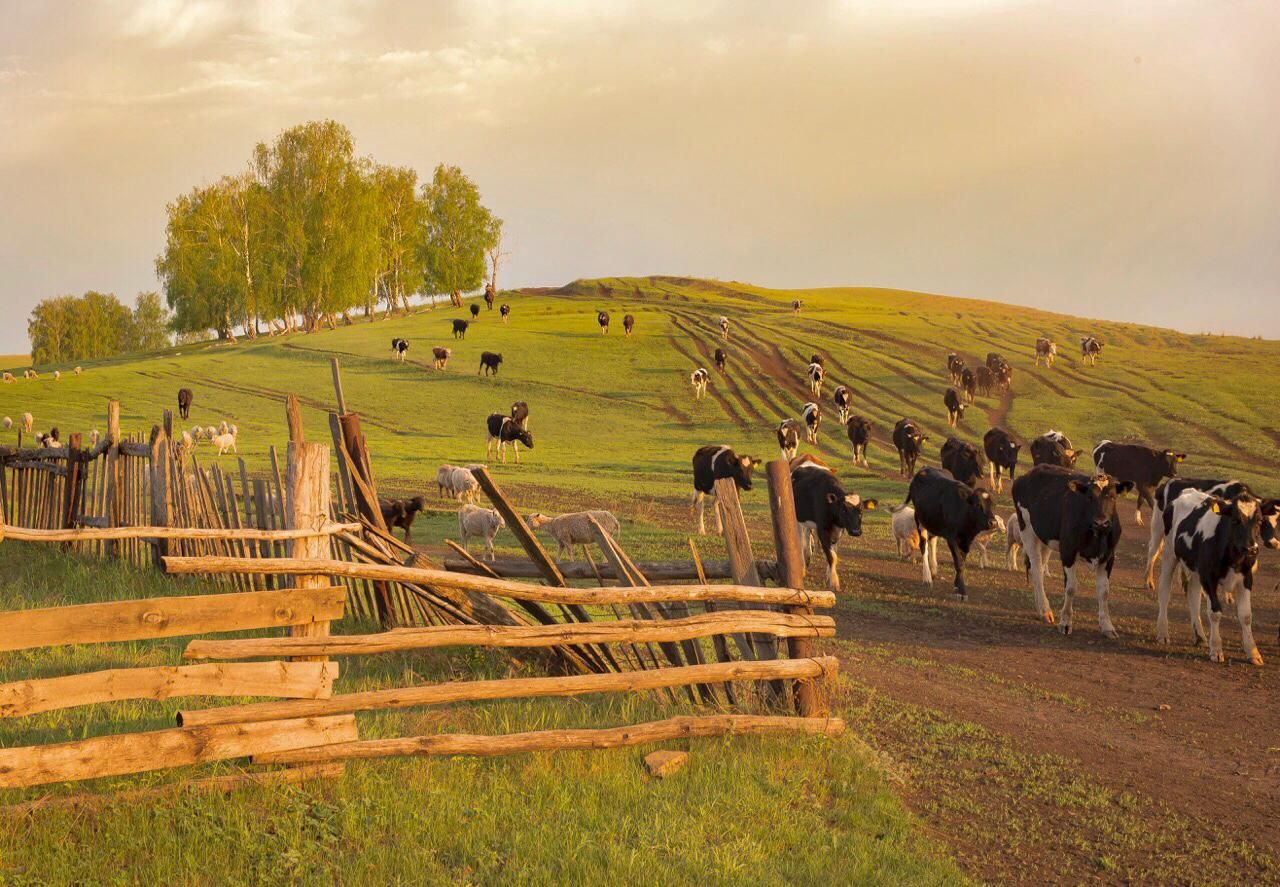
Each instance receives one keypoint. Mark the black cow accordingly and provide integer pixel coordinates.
(984, 380)
(602, 318)
(962, 460)
(907, 439)
(475, 311)
(1002, 456)
(789, 431)
(955, 407)
(843, 398)
(1142, 465)
(185, 397)
(628, 324)
(711, 464)
(825, 510)
(955, 367)
(721, 358)
(401, 512)
(1054, 448)
(489, 363)
(505, 430)
(1165, 494)
(1090, 348)
(505, 311)
(947, 509)
(1076, 514)
(488, 295)
(1214, 545)
(812, 416)
(520, 414)
(399, 347)
(859, 430)
(459, 329)
(968, 383)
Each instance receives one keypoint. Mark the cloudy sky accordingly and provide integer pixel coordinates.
(1117, 158)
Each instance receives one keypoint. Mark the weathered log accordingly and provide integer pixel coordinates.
(161, 749)
(512, 688)
(560, 740)
(654, 571)
(293, 680)
(167, 617)
(626, 631)
(307, 476)
(95, 534)
(214, 566)
(786, 542)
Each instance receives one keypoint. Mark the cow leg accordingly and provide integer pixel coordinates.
(829, 551)
(515, 446)
(1191, 584)
(1154, 546)
(957, 560)
(715, 507)
(1069, 583)
(699, 501)
(1102, 582)
(1167, 568)
(925, 540)
(933, 554)
(1144, 497)
(1215, 625)
(1244, 612)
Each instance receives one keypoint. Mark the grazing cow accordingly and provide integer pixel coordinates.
(984, 380)
(505, 311)
(399, 347)
(859, 430)
(955, 407)
(602, 318)
(628, 324)
(955, 367)
(907, 439)
(722, 359)
(962, 460)
(1002, 456)
(795, 306)
(724, 327)
(401, 512)
(843, 398)
(488, 295)
(1214, 543)
(1090, 348)
(185, 397)
(815, 374)
(789, 438)
(520, 414)
(1054, 448)
(475, 311)
(1076, 514)
(825, 510)
(505, 430)
(817, 358)
(699, 379)
(1142, 465)
(1171, 490)
(968, 383)
(459, 329)
(710, 464)
(440, 357)
(812, 416)
(489, 363)
(1046, 350)
(948, 509)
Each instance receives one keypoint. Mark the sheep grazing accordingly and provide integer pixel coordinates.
(441, 357)
(8, 423)
(28, 421)
(464, 485)
(57, 375)
(8, 379)
(482, 522)
(574, 528)
(401, 512)
(78, 370)
(94, 436)
(224, 441)
(186, 443)
(443, 475)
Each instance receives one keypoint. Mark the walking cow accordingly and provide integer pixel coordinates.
(185, 397)
(1002, 456)
(1143, 466)
(843, 398)
(907, 439)
(789, 431)
(955, 407)
(947, 509)
(962, 460)
(602, 318)
(858, 428)
(628, 324)
(710, 464)
(825, 510)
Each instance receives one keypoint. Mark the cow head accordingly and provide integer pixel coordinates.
(1006, 453)
(525, 437)
(741, 472)
(847, 511)
(1171, 462)
(1271, 523)
(980, 516)
(1243, 517)
(1100, 493)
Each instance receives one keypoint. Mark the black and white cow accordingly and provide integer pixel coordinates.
(505, 311)
(858, 428)
(1214, 544)
(1165, 494)
(520, 414)
(984, 380)
(1075, 514)
(962, 460)
(968, 383)
(815, 357)
(1142, 465)
(399, 347)
(699, 379)
(724, 327)
(795, 306)
(1054, 448)
(789, 431)
(812, 417)
(955, 367)
(1090, 348)
(907, 439)
(843, 398)
(815, 374)
(947, 509)
(440, 357)
(711, 464)
(825, 510)
(1046, 350)
(1002, 456)
(459, 329)
(602, 318)
(955, 407)
(475, 311)
(721, 358)
(489, 363)
(1000, 369)
(505, 430)
(628, 324)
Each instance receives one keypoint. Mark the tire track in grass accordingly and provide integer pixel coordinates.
(732, 386)
(725, 404)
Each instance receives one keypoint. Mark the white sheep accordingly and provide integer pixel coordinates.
(8, 423)
(906, 535)
(94, 435)
(574, 528)
(8, 378)
(210, 432)
(223, 427)
(982, 539)
(28, 421)
(224, 442)
(443, 475)
(187, 443)
(197, 432)
(57, 375)
(483, 522)
(78, 370)
(1013, 539)
(464, 485)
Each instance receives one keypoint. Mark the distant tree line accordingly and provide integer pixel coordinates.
(311, 233)
(67, 328)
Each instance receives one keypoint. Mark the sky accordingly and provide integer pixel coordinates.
(1106, 158)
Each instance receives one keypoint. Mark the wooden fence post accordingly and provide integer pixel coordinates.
(111, 478)
(786, 542)
(307, 481)
(160, 514)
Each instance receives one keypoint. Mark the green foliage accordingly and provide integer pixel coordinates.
(458, 232)
(149, 326)
(68, 328)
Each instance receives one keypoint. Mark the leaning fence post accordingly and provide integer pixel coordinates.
(112, 475)
(786, 542)
(307, 481)
(160, 516)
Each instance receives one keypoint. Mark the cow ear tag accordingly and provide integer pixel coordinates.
(1215, 508)
(870, 504)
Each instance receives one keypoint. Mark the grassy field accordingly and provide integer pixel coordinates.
(614, 426)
